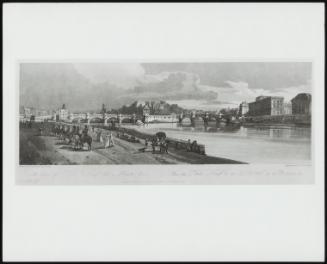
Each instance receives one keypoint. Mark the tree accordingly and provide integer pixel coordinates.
(161, 108)
(229, 112)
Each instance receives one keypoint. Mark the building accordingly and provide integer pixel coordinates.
(146, 110)
(172, 118)
(21, 110)
(40, 112)
(267, 105)
(301, 104)
(159, 107)
(62, 113)
(258, 98)
(244, 108)
(103, 109)
(287, 108)
(27, 112)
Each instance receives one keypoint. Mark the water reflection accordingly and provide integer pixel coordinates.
(299, 133)
(253, 144)
(263, 132)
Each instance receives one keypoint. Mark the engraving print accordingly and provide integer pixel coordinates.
(165, 113)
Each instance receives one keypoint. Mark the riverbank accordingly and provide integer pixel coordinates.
(47, 150)
(255, 145)
(280, 120)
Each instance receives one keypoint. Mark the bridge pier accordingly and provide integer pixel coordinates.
(134, 119)
(193, 116)
(180, 118)
(105, 121)
(87, 117)
(71, 117)
(119, 118)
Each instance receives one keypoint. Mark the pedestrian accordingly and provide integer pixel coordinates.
(111, 140)
(99, 138)
(194, 146)
(154, 144)
(85, 130)
(107, 141)
(188, 145)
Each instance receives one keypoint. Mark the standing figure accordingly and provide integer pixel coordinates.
(111, 140)
(154, 144)
(98, 135)
(188, 145)
(108, 141)
(85, 130)
(194, 146)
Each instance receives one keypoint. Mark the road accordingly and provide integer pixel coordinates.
(35, 149)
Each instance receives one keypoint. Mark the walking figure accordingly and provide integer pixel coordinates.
(109, 141)
(188, 145)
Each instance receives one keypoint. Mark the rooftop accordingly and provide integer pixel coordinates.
(261, 97)
(302, 96)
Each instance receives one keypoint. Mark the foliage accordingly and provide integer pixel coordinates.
(229, 111)
(156, 108)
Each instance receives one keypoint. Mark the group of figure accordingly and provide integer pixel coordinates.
(106, 139)
(73, 135)
(26, 124)
(160, 142)
(192, 146)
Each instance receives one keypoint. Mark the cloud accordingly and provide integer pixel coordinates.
(203, 104)
(171, 86)
(205, 85)
(265, 75)
(289, 92)
(124, 75)
(152, 78)
(241, 91)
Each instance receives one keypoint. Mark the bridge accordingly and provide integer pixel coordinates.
(39, 118)
(106, 118)
(99, 118)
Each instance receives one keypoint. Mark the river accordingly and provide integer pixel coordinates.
(257, 144)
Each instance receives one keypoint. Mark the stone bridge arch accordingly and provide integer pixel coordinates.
(96, 119)
(110, 119)
(76, 120)
(126, 119)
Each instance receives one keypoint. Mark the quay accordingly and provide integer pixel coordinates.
(46, 149)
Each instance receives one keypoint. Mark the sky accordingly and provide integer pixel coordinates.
(206, 86)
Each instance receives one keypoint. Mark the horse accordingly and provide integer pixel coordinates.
(164, 146)
(60, 132)
(154, 143)
(66, 136)
(76, 142)
(55, 130)
(86, 139)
